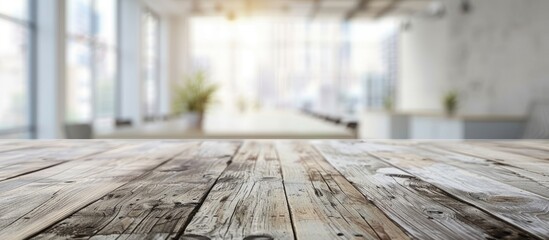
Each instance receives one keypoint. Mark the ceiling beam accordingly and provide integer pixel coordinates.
(195, 7)
(360, 6)
(314, 10)
(392, 5)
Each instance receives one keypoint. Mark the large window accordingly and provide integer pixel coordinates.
(91, 61)
(274, 61)
(151, 64)
(289, 61)
(16, 30)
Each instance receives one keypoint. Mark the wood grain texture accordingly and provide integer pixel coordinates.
(527, 165)
(423, 210)
(35, 157)
(6, 146)
(155, 205)
(17, 145)
(248, 200)
(45, 197)
(529, 144)
(501, 172)
(522, 209)
(198, 190)
(531, 149)
(504, 173)
(20, 144)
(323, 204)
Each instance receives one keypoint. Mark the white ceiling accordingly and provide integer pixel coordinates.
(310, 8)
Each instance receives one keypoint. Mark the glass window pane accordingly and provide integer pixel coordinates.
(79, 81)
(79, 17)
(15, 8)
(14, 90)
(150, 64)
(105, 22)
(91, 60)
(105, 84)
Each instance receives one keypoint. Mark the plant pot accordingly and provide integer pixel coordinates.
(450, 110)
(78, 131)
(194, 120)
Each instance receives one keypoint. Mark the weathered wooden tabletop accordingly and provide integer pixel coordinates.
(274, 190)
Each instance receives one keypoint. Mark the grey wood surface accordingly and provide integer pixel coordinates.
(274, 189)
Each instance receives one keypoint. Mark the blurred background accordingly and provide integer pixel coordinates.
(331, 69)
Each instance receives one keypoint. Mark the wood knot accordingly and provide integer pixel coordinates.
(194, 237)
(259, 237)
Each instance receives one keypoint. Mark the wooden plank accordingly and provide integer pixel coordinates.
(521, 165)
(37, 157)
(323, 204)
(40, 199)
(20, 144)
(526, 163)
(7, 146)
(530, 149)
(533, 144)
(422, 209)
(248, 200)
(62, 149)
(156, 205)
(511, 175)
(525, 210)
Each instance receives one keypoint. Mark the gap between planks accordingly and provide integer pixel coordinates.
(155, 205)
(302, 173)
(45, 197)
(424, 210)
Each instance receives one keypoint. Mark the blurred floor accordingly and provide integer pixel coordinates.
(279, 124)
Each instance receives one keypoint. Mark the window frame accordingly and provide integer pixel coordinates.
(157, 104)
(30, 24)
(92, 43)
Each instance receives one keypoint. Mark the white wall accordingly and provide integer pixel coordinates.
(496, 56)
(423, 65)
(179, 45)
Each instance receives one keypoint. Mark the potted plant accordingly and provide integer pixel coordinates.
(193, 97)
(450, 103)
(242, 104)
(388, 104)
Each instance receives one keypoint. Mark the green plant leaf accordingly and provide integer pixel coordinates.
(195, 94)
